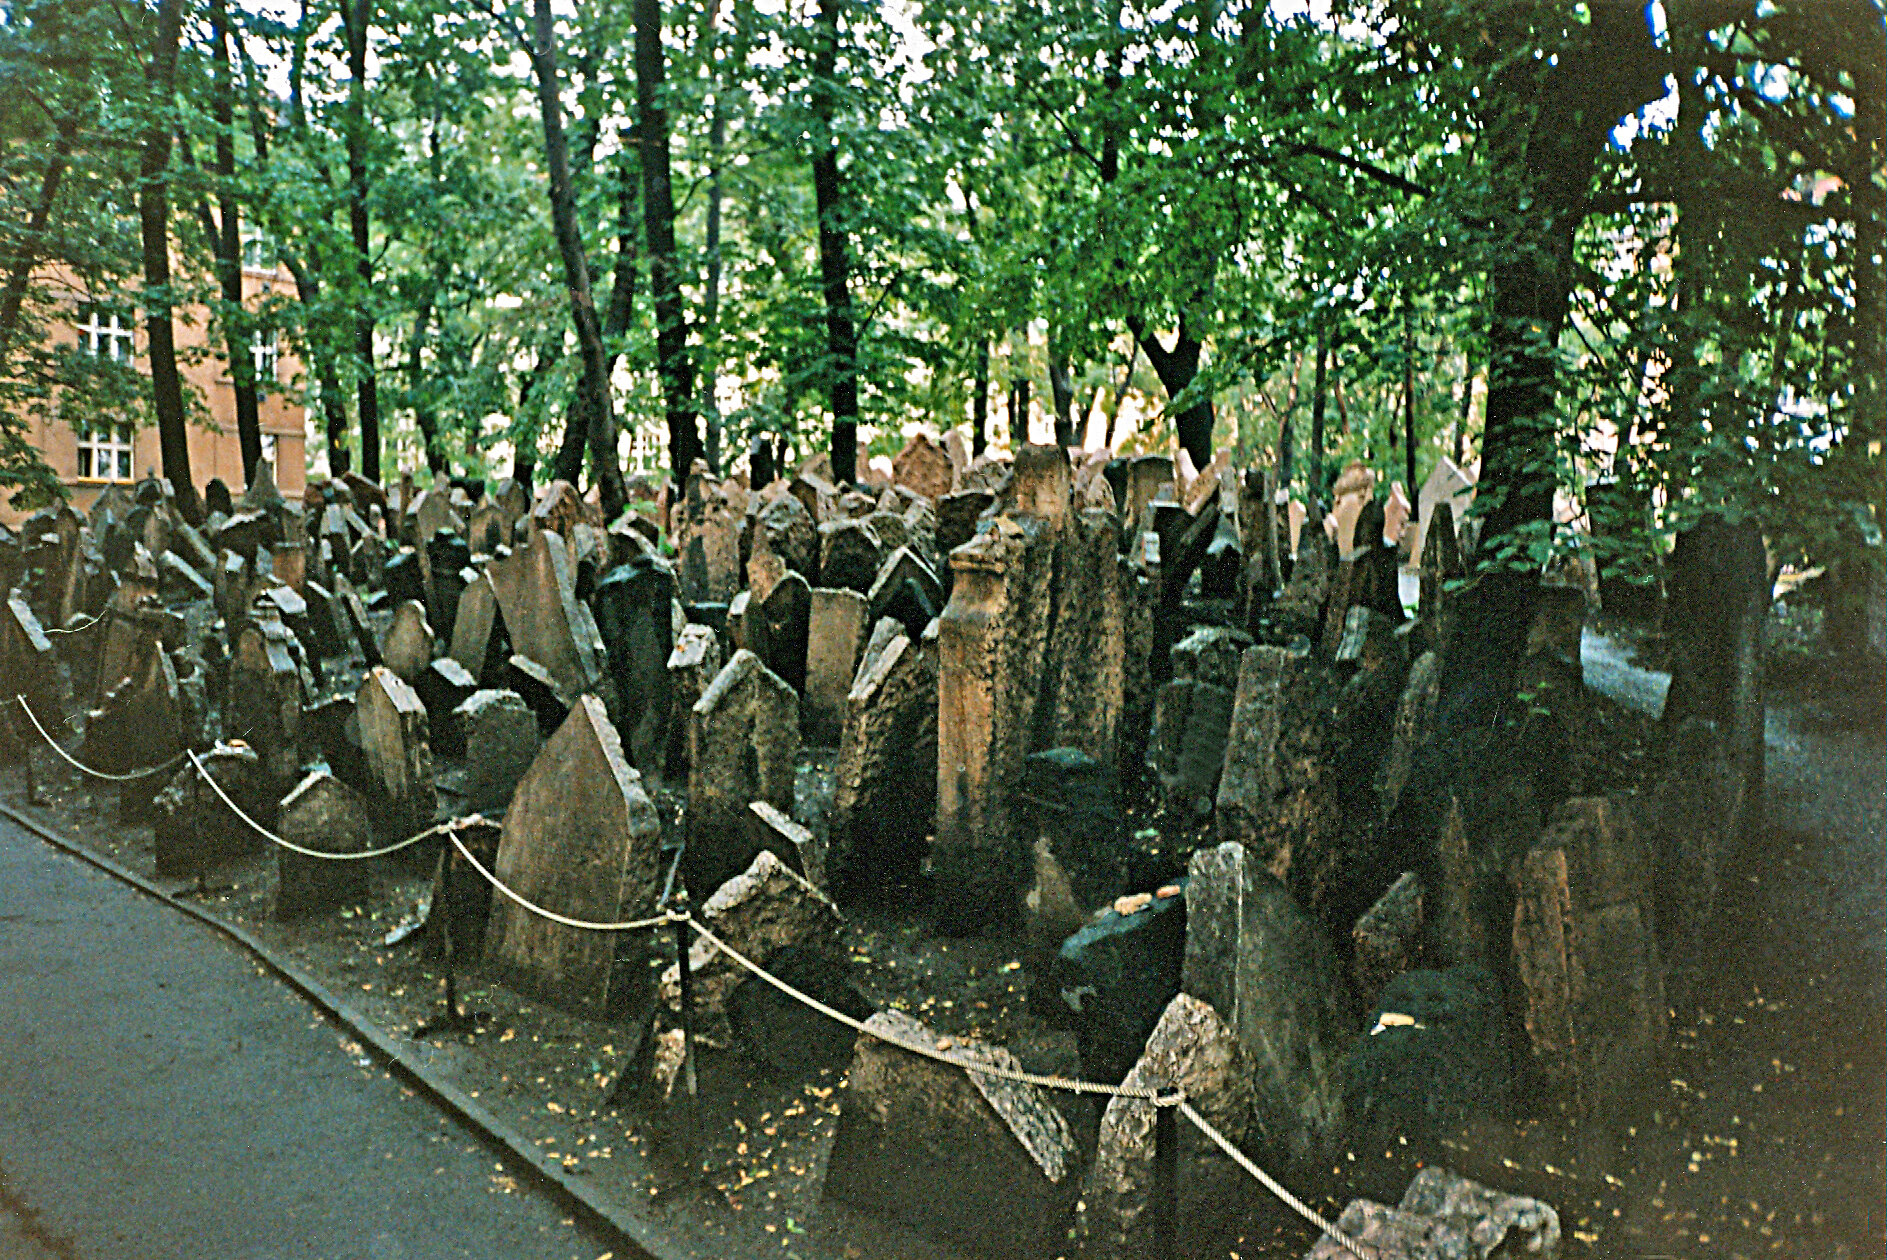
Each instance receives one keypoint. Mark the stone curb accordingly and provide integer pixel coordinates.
(647, 1240)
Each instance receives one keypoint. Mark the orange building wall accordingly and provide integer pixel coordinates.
(214, 451)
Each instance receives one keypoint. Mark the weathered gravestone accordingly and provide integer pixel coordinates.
(691, 667)
(782, 620)
(955, 1155)
(1192, 718)
(633, 605)
(407, 648)
(924, 467)
(850, 553)
(536, 592)
(798, 845)
(442, 687)
(782, 527)
(477, 630)
(835, 633)
(583, 839)
(743, 742)
(1387, 939)
(1259, 960)
(1192, 1049)
(1114, 977)
(263, 703)
(501, 741)
(1586, 954)
(887, 768)
(395, 742)
(193, 830)
(1444, 1216)
(325, 815)
(1434, 1057)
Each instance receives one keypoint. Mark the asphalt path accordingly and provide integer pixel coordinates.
(162, 1096)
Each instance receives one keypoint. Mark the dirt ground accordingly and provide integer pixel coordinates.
(1763, 1136)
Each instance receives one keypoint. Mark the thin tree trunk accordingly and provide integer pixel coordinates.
(1318, 395)
(20, 266)
(237, 327)
(1467, 410)
(672, 362)
(1062, 390)
(1176, 369)
(154, 233)
(593, 417)
(359, 16)
(834, 251)
(423, 414)
(1408, 415)
(979, 405)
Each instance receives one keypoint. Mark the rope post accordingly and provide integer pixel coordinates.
(26, 753)
(680, 908)
(1165, 1181)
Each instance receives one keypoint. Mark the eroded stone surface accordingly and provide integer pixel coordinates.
(325, 815)
(743, 740)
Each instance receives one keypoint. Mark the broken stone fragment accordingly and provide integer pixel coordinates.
(1192, 1049)
(1387, 940)
(325, 815)
(1444, 1216)
(955, 1155)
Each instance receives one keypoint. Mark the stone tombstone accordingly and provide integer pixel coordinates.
(743, 742)
(923, 466)
(501, 741)
(1387, 939)
(887, 768)
(137, 724)
(1193, 1049)
(958, 1156)
(403, 577)
(442, 687)
(539, 690)
(784, 623)
(633, 605)
(472, 628)
(816, 494)
(905, 589)
(1192, 717)
(835, 634)
(692, 665)
(558, 509)
(707, 541)
(1415, 718)
(1267, 797)
(583, 839)
(783, 527)
(407, 647)
(1443, 1214)
(1435, 1057)
(193, 831)
(1110, 980)
(1440, 565)
(395, 741)
(536, 592)
(798, 846)
(263, 703)
(1267, 968)
(892, 529)
(447, 558)
(957, 515)
(325, 815)
(488, 529)
(850, 554)
(1587, 956)
(1146, 474)
(1447, 485)
(289, 563)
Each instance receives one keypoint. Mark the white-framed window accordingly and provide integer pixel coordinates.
(104, 333)
(258, 250)
(105, 453)
(264, 353)
(268, 449)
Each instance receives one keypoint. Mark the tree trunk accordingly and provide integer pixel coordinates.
(359, 15)
(238, 329)
(979, 403)
(1318, 400)
(154, 234)
(1062, 389)
(1176, 369)
(1408, 415)
(711, 293)
(834, 251)
(592, 418)
(20, 266)
(423, 414)
(672, 362)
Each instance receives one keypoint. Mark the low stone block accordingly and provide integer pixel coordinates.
(326, 815)
(1114, 977)
(501, 742)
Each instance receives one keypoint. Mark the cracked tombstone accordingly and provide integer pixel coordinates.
(1266, 967)
(394, 739)
(1193, 1049)
(956, 1155)
(325, 815)
(887, 767)
(583, 839)
(407, 647)
(743, 742)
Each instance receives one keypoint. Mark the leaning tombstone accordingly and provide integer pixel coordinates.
(396, 743)
(743, 743)
(632, 605)
(836, 632)
(581, 838)
(407, 648)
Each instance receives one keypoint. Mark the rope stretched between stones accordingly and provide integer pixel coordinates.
(290, 845)
(81, 629)
(1360, 1250)
(76, 764)
(582, 924)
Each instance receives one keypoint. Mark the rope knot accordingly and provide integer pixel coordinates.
(1168, 1096)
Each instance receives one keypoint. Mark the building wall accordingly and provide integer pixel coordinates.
(215, 450)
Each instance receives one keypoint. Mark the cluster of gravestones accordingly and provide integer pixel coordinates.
(988, 649)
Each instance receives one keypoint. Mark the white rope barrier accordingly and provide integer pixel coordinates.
(76, 764)
(1360, 1250)
(551, 915)
(292, 847)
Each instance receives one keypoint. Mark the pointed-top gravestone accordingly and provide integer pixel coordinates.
(849, 554)
(472, 628)
(536, 592)
(743, 743)
(325, 815)
(395, 740)
(407, 649)
(906, 589)
(924, 467)
(581, 838)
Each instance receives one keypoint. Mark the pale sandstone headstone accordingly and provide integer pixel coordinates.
(536, 592)
(325, 815)
(834, 637)
(395, 741)
(407, 648)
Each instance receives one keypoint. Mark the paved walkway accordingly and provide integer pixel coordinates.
(162, 1097)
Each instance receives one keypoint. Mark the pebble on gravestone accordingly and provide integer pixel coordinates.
(501, 741)
(910, 1126)
(394, 740)
(1586, 954)
(1267, 968)
(887, 768)
(582, 838)
(766, 908)
(742, 744)
(407, 647)
(1433, 1057)
(325, 815)
(835, 634)
(1193, 1049)
(924, 467)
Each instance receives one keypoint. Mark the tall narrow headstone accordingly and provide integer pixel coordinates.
(395, 741)
(743, 743)
(536, 592)
(835, 634)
